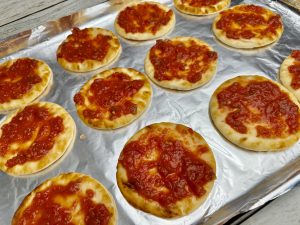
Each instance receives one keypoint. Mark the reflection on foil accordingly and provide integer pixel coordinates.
(15, 43)
(245, 179)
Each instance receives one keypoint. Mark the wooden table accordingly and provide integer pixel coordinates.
(21, 15)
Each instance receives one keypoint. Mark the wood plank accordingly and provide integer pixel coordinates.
(59, 10)
(15, 9)
(282, 211)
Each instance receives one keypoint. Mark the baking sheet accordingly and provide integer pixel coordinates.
(245, 179)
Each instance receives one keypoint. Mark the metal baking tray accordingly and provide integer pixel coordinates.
(245, 179)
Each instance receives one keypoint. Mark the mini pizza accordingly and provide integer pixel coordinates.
(144, 21)
(201, 7)
(248, 26)
(113, 98)
(290, 73)
(68, 199)
(33, 138)
(166, 169)
(181, 63)
(22, 81)
(88, 49)
(256, 113)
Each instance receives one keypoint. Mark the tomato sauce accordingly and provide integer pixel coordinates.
(32, 123)
(259, 102)
(171, 60)
(45, 210)
(252, 9)
(81, 46)
(17, 79)
(180, 173)
(294, 70)
(201, 3)
(95, 213)
(112, 94)
(296, 55)
(247, 22)
(144, 17)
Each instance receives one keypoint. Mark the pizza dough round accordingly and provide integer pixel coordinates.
(249, 26)
(35, 135)
(38, 82)
(206, 66)
(151, 18)
(109, 111)
(86, 56)
(182, 149)
(249, 114)
(82, 194)
(200, 7)
(287, 78)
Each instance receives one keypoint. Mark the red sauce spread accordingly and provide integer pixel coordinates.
(294, 69)
(45, 210)
(112, 94)
(248, 22)
(17, 79)
(81, 46)
(200, 3)
(144, 17)
(260, 102)
(174, 60)
(33, 123)
(95, 213)
(180, 173)
(296, 55)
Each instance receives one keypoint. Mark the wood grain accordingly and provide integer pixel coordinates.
(15, 9)
(43, 14)
(282, 211)
(293, 3)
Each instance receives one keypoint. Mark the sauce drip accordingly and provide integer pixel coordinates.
(144, 17)
(201, 3)
(247, 22)
(46, 210)
(173, 60)
(33, 123)
(17, 79)
(112, 94)
(262, 103)
(294, 69)
(180, 173)
(81, 46)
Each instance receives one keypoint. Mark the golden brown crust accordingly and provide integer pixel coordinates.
(286, 77)
(244, 43)
(88, 64)
(62, 143)
(44, 72)
(146, 35)
(190, 139)
(249, 140)
(182, 84)
(142, 99)
(186, 8)
(101, 195)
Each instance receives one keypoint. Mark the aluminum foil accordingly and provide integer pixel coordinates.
(245, 179)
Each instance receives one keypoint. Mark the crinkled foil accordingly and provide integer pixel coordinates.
(245, 179)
